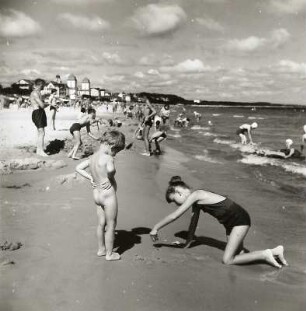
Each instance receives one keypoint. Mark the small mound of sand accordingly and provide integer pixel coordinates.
(8, 166)
(10, 246)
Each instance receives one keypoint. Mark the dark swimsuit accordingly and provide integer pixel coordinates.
(241, 131)
(75, 127)
(296, 153)
(228, 213)
(52, 108)
(39, 118)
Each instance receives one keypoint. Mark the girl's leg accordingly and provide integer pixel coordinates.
(235, 240)
(111, 211)
(100, 231)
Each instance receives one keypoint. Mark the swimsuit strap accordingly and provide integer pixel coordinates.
(104, 185)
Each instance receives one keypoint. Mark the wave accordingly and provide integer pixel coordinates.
(216, 114)
(174, 135)
(209, 134)
(198, 127)
(238, 116)
(206, 158)
(256, 118)
(252, 159)
(235, 145)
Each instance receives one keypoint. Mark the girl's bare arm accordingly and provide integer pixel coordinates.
(81, 169)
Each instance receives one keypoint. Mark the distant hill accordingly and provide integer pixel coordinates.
(174, 100)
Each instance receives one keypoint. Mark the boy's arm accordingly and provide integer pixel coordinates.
(89, 133)
(38, 100)
(192, 227)
(81, 170)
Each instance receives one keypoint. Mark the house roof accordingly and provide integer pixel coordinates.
(71, 77)
(85, 80)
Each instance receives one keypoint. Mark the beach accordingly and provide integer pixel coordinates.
(50, 211)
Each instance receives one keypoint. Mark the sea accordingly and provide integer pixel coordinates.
(213, 140)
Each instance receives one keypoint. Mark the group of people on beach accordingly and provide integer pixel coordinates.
(101, 164)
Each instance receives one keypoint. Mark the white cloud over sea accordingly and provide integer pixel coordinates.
(286, 6)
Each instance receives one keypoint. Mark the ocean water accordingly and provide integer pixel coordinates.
(218, 145)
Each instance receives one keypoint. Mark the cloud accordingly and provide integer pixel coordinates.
(188, 66)
(153, 72)
(18, 24)
(94, 23)
(139, 75)
(277, 38)
(286, 65)
(112, 59)
(210, 24)
(79, 2)
(30, 72)
(157, 19)
(286, 6)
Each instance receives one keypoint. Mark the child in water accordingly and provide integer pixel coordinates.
(104, 185)
(234, 218)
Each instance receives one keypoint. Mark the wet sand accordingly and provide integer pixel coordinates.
(56, 267)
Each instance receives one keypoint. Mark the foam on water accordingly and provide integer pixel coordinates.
(216, 114)
(206, 158)
(198, 127)
(209, 134)
(293, 167)
(174, 135)
(238, 116)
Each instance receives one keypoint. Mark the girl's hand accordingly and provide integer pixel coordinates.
(154, 235)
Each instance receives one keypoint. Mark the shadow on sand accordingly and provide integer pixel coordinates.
(203, 240)
(126, 240)
(55, 146)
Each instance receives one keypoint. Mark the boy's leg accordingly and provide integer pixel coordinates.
(235, 240)
(40, 142)
(100, 231)
(111, 211)
(146, 131)
(78, 142)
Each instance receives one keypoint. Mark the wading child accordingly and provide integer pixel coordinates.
(86, 120)
(244, 131)
(157, 137)
(104, 185)
(234, 218)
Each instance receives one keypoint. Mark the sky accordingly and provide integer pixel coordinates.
(228, 50)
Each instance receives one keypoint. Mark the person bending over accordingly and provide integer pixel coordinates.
(244, 131)
(233, 217)
(86, 120)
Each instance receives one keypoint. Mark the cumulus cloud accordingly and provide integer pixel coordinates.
(277, 38)
(18, 24)
(139, 75)
(210, 24)
(156, 19)
(286, 65)
(94, 23)
(30, 72)
(286, 6)
(153, 72)
(188, 66)
(112, 59)
(79, 2)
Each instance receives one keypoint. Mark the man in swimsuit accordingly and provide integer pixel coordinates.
(244, 130)
(86, 120)
(39, 117)
(53, 107)
(149, 113)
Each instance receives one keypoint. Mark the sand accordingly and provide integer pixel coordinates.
(51, 213)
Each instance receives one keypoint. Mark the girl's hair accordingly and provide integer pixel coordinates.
(175, 181)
